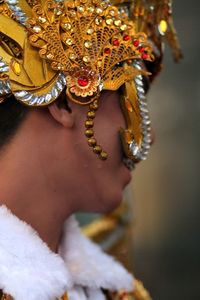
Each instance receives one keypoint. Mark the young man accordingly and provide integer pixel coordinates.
(72, 77)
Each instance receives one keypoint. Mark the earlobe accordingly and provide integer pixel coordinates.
(61, 115)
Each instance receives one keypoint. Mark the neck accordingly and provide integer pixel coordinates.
(46, 223)
(27, 188)
(36, 204)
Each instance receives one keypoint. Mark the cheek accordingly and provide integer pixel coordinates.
(107, 135)
(109, 120)
(98, 184)
(102, 181)
(107, 123)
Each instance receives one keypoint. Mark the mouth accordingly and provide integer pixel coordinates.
(129, 164)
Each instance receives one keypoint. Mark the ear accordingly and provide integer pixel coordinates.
(61, 115)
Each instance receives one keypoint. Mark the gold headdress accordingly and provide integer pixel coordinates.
(154, 17)
(85, 46)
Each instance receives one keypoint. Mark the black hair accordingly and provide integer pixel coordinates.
(12, 115)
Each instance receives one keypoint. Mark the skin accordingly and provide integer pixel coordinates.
(48, 171)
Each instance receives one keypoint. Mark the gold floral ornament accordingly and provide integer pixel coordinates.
(82, 82)
(88, 38)
(89, 42)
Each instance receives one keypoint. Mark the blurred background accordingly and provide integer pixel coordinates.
(162, 247)
(167, 186)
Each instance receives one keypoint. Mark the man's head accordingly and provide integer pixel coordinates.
(97, 184)
(44, 53)
(40, 62)
(61, 152)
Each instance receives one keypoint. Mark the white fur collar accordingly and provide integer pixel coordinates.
(30, 270)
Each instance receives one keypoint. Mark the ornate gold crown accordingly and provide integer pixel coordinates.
(85, 46)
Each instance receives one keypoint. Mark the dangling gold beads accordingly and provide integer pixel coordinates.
(89, 132)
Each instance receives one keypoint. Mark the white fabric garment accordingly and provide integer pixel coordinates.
(30, 270)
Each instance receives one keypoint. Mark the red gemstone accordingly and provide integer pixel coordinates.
(126, 37)
(141, 49)
(136, 43)
(116, 42)
(83, 81)
(144, 55)
(107, 50)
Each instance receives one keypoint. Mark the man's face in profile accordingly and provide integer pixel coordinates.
(99, 184)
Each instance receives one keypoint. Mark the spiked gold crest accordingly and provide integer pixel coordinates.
(87, 40)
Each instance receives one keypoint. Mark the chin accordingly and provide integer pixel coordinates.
(112, 202)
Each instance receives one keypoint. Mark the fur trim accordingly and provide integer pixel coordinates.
(30, 270)
(88, 264)
(78, 293)
(95, 294)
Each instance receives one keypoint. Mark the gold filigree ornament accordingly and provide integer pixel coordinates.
(89, 43)
(85, 46)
